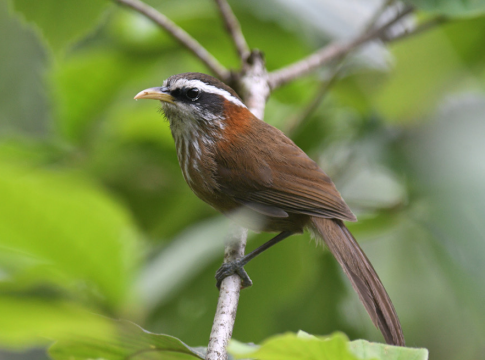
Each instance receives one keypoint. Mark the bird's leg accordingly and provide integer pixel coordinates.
(237, 267)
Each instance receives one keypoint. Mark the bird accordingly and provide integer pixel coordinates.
(234, 161)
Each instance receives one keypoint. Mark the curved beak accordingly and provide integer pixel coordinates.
(156, 93)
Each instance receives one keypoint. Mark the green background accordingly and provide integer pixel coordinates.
(95, 217)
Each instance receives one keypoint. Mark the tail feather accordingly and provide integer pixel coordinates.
(362, 275)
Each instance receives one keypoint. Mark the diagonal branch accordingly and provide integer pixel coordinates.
(180, 35)
(234, 29)
(329, 53)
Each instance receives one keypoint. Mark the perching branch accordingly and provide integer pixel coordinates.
(228, 299)
(329, 53)
(180, 35)
(234, 29)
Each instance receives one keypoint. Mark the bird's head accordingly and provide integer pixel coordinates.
(195, 101)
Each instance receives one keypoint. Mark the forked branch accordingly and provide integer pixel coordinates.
(329, 53)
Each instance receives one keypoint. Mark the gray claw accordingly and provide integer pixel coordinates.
(228, 269)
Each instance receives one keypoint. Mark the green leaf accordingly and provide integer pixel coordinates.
(239, 348)
(33, 322)
(61, 22)
(77, 232)
(453, 8)
(366, 350)
(293, 347)
(129, 341)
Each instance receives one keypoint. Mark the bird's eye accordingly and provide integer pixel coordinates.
(192, 94)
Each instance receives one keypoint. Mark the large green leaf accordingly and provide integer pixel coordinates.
(129, 341)
(294, 347)
(337, 346)
(453, 8)
(366, 350)
(61, 22)
(73, 230)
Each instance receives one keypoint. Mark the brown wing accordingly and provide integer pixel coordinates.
(274, 176)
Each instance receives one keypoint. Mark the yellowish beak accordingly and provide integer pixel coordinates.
(155, 93)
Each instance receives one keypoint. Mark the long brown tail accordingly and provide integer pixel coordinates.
(363, 277)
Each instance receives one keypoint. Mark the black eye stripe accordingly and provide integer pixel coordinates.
(175, 93)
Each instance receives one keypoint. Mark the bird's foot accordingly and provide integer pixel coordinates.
(231, 268)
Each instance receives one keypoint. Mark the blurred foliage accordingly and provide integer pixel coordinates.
(95, 217)
(70, 22)
(126, 340)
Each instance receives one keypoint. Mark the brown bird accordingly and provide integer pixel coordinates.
(232, 160)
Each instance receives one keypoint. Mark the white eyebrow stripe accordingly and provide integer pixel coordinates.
(207, 88)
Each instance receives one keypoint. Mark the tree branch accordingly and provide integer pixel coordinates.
(234, 29)
(180, 35)
(329, 53)
(228, 299)
(297, 121)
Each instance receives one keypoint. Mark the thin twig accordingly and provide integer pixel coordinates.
(293, 123)
(234, 29)
(180, 35)
(329, 53)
